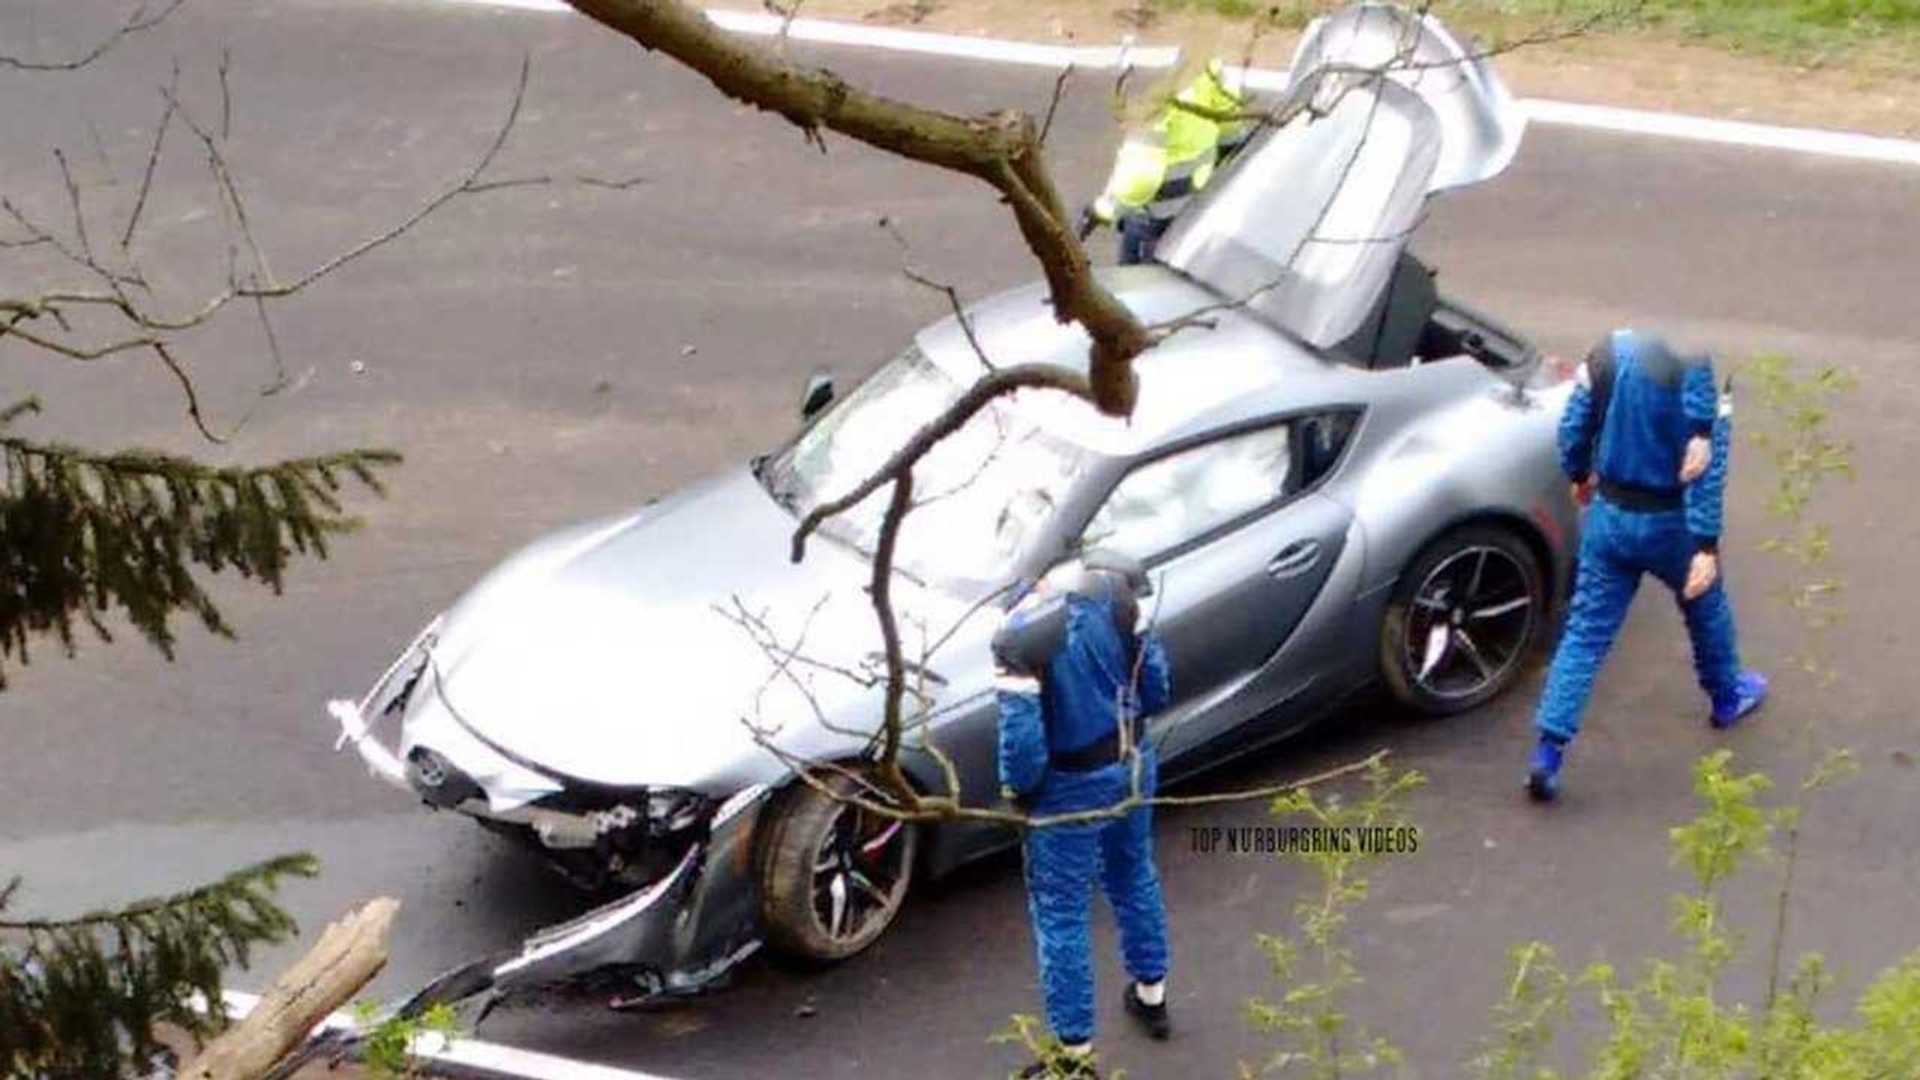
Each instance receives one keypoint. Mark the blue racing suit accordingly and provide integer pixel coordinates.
(1058, 753)
(1643, 520)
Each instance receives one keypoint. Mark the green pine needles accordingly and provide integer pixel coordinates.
(83, 533)
(79, 998)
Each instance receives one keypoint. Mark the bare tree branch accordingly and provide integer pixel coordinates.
(1001, 149)
(226, 95)
(1004, 150)
(930, 809)
(153, 161)
(975, 398)
(787, 15)
(880, 589)
(137, 21)
(951, 293)
(769, 642)
(1053, 103)
(613, 185)
(469, 184)
(146, 326)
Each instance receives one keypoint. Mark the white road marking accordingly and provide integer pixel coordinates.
(474, 1054)
(1844, 144)
(1840, 144)
(921, 41)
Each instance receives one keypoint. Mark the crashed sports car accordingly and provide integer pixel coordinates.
(1339, 480)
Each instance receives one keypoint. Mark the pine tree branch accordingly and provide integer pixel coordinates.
(242, 883)
(82, 533)
(81, 997)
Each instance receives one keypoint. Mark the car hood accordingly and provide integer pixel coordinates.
(638, 650)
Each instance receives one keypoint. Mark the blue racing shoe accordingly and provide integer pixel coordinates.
(1543, 772)
(1751, 691)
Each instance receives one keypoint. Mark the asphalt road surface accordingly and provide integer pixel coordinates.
(543, 354)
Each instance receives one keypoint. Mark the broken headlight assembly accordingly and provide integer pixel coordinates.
(439, 782)
(602, 836)
(389, 696)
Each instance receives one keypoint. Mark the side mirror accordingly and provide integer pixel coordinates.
(817, 396)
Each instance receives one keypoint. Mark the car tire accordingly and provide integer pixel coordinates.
(1480, 583)
(808, 840)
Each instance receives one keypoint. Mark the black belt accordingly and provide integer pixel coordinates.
(1174, 188)
(1094, 756)
(1640, 500)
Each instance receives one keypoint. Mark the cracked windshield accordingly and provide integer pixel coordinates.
(981, 496)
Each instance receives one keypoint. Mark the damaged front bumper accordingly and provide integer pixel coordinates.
(675, 937)
(684, 927)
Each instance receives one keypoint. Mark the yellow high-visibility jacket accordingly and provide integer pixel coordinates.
(1158, 168)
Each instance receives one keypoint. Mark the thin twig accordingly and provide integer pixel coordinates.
(971, 401)
(930, 809)
(73, 199)
(950, 292)
(787, 15)
(279, 382)
(1053, 104)
(136, 22)
(613, 185)
(153, 162)
(149, 329)
(467, 185)
(226, 95)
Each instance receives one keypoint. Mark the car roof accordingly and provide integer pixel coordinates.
(1228, 366)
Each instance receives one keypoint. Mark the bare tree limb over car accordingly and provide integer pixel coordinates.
(1004, 149)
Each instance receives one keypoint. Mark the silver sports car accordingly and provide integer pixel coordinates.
(1338, 479)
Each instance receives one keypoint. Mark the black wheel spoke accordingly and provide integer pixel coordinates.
(1469, 621)
(858, 872)
(1472, 653)
(1498, 608)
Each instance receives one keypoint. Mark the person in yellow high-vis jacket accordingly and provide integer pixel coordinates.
(1160, 167)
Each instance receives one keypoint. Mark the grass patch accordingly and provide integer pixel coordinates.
(1808, 32)
(1802, 30)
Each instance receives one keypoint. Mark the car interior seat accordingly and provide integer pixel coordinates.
(1394, 332)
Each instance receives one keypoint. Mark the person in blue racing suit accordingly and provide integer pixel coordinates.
(1077, 678)
(1649, 430)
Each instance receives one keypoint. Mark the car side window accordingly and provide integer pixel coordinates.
(1171, 500)
(1322, 438)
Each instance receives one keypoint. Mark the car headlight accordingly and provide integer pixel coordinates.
(438, 781)
(395, 687)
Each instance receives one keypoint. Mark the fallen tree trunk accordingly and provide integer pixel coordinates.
(349, 954)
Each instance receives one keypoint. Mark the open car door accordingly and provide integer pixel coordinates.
(1306, 225)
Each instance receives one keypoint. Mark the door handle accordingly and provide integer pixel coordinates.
(1294, 559)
